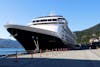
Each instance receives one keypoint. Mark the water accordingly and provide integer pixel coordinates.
(7, 51)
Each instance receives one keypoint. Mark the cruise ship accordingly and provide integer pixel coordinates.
(46, 32)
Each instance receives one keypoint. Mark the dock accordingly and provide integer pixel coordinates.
(72, 58)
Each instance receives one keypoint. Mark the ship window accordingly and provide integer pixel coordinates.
(33, 21)
(49, 20)
(61, 22)
(43, 20)
(37, 20)
(54, 19)
(61, 19)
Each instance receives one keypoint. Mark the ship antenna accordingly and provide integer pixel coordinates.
(52, 13)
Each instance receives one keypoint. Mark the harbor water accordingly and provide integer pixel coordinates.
(7, 51)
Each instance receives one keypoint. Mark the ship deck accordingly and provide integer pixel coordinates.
(79, 58)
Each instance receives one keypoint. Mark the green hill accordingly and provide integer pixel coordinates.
(85, 35)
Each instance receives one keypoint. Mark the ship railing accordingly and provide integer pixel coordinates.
(12, 54)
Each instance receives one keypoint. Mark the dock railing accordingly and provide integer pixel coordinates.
(47, 53)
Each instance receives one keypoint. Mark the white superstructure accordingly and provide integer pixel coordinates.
(56, 24)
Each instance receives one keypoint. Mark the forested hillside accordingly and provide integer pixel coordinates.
(85, 35)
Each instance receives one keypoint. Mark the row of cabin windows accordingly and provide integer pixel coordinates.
(66, 38)
(59, 19)
(67, 30)
(48, 23)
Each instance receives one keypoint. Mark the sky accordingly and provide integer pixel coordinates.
(80, 14)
